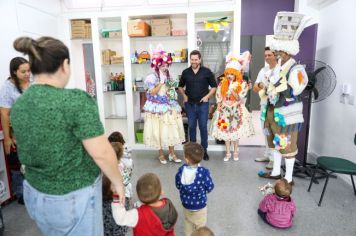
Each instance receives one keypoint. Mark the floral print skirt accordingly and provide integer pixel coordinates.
(230, 123)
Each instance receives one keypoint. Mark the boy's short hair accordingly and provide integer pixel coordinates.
(282, 188)
(148, 188)
(116, 137)
(203, 231)
(194, 152)
(119, 149)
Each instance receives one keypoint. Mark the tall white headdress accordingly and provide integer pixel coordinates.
(287, 28)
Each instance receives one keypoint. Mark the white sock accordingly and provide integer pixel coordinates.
(270, 154)
(266, 154)
(289, 169)
(277, 159)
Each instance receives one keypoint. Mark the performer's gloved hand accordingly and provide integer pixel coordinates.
(162, 80)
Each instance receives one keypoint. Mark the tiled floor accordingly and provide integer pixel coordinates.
(233, 203)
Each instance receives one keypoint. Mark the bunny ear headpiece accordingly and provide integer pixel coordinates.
(288, 26)
(160, 57)
(238, 61)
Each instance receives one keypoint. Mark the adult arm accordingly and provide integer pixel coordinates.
(258, 83)
(258, 86)
(156, 89)
(104, 156)
(206, 97)
(181, 89)
(5, 122)
(153, 83)
(213, 85)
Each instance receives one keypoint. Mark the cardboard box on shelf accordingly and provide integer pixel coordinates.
(79, 22)
(106, 56)
(138, 28)
(164, 21)
(87, 28)
(80, 29)
(161, 30)
(179, 32)
(115, 34)
(116, 60)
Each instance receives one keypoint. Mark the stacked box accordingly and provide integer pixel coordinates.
(106, 56)
(115, 34)
(138, 28)
(116, 60)
(80, 29)
(87, 30)
(161, 27)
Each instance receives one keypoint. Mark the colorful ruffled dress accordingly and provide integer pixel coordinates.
(232, 121)
(163, 119)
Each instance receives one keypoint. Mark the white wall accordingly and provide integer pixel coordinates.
(32, 18)
(333, 124)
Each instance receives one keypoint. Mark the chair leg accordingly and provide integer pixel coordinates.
(322, 194)
(312, 178)
(353, 183)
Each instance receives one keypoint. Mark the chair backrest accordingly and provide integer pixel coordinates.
(355, 140)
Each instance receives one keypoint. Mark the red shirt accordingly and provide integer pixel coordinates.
(149, 224)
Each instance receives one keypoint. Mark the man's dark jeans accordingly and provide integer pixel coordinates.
(198, 113)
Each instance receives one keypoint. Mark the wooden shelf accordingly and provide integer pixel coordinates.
(159, 38)
(148, 63)
(115, 91)
(113, 117)
(111, 39)
(112, 65)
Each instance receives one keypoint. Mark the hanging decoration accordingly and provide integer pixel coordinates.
(217, 24)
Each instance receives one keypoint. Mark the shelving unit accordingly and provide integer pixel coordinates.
(112, 103)
(133, 120)
(169, 43)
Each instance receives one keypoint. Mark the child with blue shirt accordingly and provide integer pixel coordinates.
(193, 183)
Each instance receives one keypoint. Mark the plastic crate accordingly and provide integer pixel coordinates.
(139, 136)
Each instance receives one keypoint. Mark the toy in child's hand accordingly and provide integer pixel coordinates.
(137, 204)
(266, 189)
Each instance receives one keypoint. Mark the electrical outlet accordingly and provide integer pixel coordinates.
(352, 100)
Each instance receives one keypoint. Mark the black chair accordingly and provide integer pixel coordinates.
(334, 165)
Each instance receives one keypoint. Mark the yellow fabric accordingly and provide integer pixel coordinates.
(162, 130)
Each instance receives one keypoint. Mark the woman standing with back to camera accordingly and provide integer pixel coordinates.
(61, 141)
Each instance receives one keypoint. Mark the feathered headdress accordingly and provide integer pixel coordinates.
(160, 57)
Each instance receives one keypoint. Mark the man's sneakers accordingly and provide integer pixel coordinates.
(262, 159)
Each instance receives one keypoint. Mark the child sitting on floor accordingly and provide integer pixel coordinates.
(278, 209)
